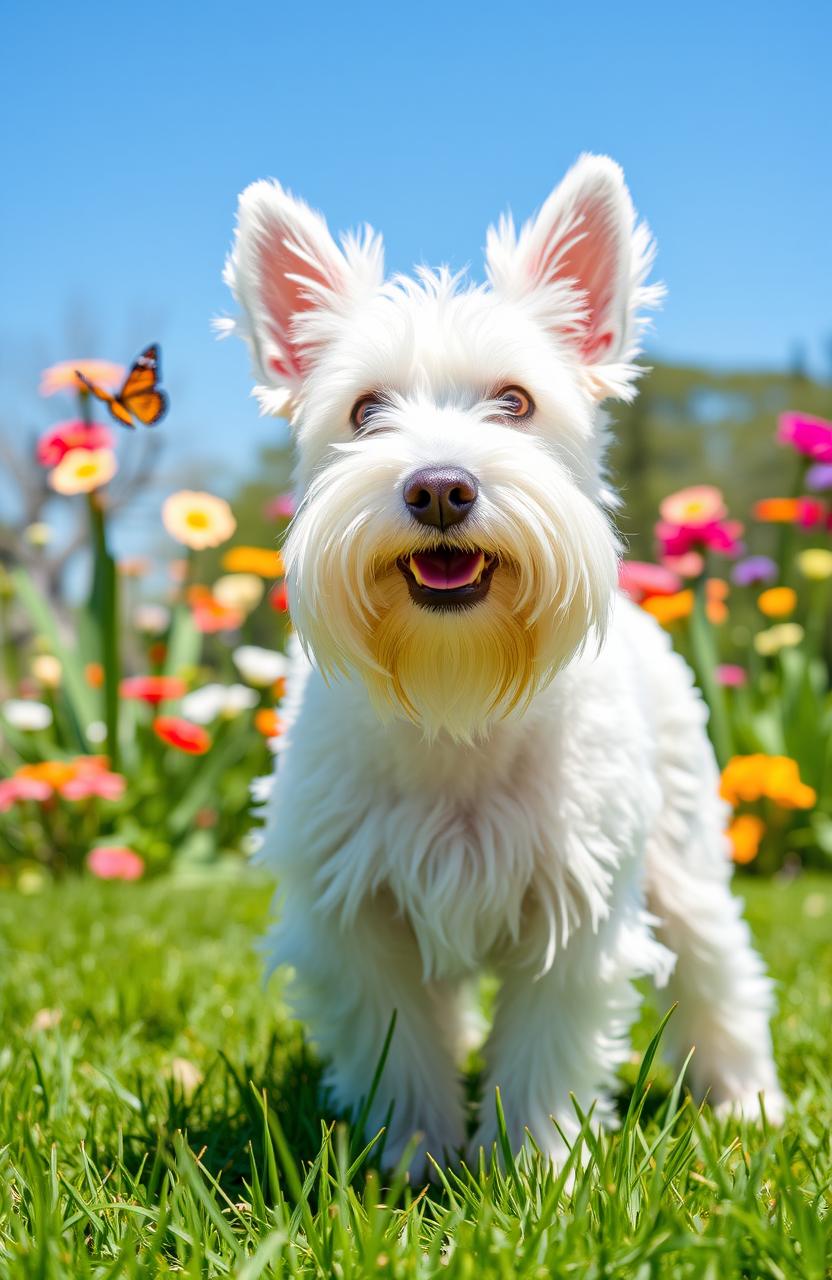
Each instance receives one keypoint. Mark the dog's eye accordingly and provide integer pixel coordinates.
(364, 410)
(515, 403)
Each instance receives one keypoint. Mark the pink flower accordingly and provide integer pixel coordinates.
(638, 578)
(100, 783)
(809, 436)
(690, 565)
(722, 536)
(730, 675)
(58, 440)
(693, 508)
(280, 508)
(13, 790)
(115, 862)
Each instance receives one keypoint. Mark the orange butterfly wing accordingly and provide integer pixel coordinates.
(139, 396)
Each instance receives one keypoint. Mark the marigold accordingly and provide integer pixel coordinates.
(268, 722)
(63, 376)
(670, 609)
(263, 561)
(777, 602)
(82, 471)
(757, 777)
(198, 520)
(745, 833)
(182, 734)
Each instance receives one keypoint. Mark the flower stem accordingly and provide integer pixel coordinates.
(704, 661)
(104, 610)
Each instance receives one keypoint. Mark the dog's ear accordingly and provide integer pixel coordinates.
(293, 283)
(581, 264)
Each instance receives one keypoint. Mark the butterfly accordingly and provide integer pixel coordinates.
(139, 396)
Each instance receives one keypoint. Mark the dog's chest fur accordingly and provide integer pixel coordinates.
(514, 840)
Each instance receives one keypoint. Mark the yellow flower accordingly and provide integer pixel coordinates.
(46, 669)
(61, 377)
(784, 636)
(745, 834)
(198, 520)
(82, 470)
(815, 563)
(260, 560)
(242, 591)
(669, 609)
(777, 602)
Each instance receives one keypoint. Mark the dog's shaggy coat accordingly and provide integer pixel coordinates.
(523, 783)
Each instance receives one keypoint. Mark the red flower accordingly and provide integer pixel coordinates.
(722, 536)
(279, 599)
(152, 689)
(58, 440)
(182, 734)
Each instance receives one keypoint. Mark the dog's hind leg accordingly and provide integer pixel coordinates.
(725, 998)
(349, 980)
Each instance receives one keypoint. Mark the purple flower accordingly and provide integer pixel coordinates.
(819, 477)
(755, 569)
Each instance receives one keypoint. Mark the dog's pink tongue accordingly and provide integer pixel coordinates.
(445, 572)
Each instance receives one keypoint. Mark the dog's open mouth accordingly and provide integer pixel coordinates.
(448, 578)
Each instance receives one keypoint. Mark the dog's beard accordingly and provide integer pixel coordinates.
(460, 669)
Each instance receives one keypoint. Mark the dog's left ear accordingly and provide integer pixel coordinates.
(581, 265)
(294, 284)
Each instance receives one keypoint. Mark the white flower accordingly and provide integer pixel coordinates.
(260, 667)
(214, 700)
(96, 732)
(23, 714)
(261, 788)
(152, 618)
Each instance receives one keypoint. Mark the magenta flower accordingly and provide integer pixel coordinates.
(115, 862)
(754, 569)
(810, 436)
(280, 508)
(56, 443)
(722, 536)
(730, 675)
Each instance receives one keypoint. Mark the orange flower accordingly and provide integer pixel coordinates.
(82, 471)
(757, 777)
(777, 602)
(260, 560)
(182, 734)
(198, 520)
(777, 510)
(210, 616)
(745, 834)
(62, 377)
(716, 593)
(268, 722)
(55, 773)
(94, 673)
(669, 609)
(152, 689)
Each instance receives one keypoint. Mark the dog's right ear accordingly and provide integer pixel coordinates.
(292, 282)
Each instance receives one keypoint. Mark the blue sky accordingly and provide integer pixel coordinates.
(135, 126)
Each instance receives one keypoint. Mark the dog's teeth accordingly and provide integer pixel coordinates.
(414, 569)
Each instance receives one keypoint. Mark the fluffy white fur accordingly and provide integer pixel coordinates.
(524, 785)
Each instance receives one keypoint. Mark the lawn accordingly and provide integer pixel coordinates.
(158, 1116)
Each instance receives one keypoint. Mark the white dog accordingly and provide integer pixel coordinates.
(494, 761)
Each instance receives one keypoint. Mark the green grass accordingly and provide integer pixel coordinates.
(158, 1116)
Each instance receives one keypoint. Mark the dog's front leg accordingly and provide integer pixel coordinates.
(348, 982)
(561, 1033)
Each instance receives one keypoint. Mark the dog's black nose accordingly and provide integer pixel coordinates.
(440, 496)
